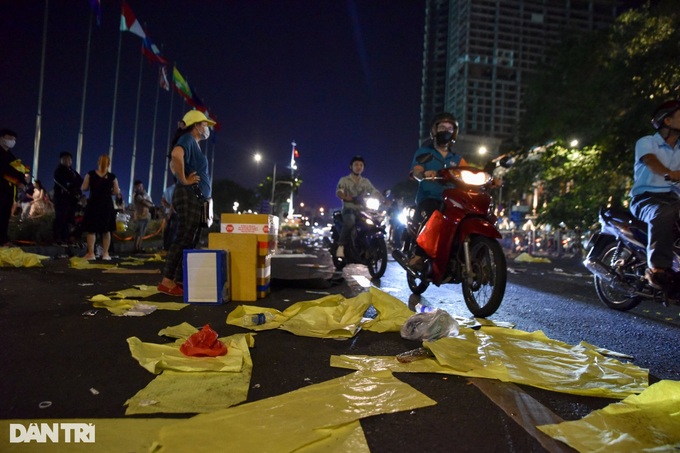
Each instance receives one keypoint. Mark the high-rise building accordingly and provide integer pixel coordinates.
(477, 54)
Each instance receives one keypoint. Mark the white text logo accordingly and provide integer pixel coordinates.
(52, 432)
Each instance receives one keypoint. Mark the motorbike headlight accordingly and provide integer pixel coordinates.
(373, 203)
(474, 178)
(403, 217)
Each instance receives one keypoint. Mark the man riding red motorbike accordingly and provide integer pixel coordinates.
(443, 134)
(450, 236)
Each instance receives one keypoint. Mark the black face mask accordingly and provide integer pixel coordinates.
(442, 138)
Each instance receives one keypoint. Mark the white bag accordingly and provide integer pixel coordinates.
(429, 326)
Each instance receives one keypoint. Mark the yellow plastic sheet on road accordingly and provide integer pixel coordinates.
(331, 316)
(521, 357)
(120, 306)
(196, 392)
(77, 262)
(294, 420)
(526, 258)
(648, 422)
(15, 257)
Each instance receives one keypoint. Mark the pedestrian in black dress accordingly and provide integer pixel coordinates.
(100, 215)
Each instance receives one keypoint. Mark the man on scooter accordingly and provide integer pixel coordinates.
(350, 189)
(443, 132)
(657, 158)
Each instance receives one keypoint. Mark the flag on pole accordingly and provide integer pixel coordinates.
(128, 22)
(163, 78)
(212, 118)
(181, 85)
(96, 6)
(151, 52)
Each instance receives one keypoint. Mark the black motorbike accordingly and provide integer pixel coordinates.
(367, 245)
(617, 258)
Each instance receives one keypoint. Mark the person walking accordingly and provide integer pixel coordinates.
(100, 215)
(190, 167)
(142, 205)
(170, 229)
(10, 180)
(67, 193)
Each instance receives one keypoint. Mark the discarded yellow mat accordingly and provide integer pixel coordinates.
(15, 257)
(526, 258)
(647, 422)
(331, 316)
(112, 435)
(521, 357)
(136, 261)
(159, 357)
(77, 262)
(296, 419)
(137, 291)
(196, 392)
(120, 306)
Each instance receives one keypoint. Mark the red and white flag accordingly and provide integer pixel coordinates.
(128, 22)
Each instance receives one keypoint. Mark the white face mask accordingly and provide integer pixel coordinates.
(206, 133)
(9, 143)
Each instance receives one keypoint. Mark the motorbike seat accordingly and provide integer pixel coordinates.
(624, 216)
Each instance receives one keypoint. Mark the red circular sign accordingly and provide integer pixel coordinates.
(230, 228)
(266, 228)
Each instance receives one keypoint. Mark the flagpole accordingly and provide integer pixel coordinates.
(153, 139)
(170, 132)
(38, 119)
(79, 151)
(292, 178)
(134, 143)
(115, 96)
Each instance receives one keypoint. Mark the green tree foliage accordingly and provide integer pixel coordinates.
(225, 192)
(601, 89)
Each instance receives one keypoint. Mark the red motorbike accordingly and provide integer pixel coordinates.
(467, 247)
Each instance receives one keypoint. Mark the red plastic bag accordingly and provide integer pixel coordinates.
(204, 343)
(428, 239)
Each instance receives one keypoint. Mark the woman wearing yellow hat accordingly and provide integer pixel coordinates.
(190, 168)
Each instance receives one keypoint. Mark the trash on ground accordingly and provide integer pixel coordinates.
(15, 257)
(204, 343)
(430, 325)
(90, 312)
(414, 354)
(526, 258)
(139, 309)
(94, 391)
(645, 422)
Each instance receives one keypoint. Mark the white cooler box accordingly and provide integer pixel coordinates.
(206, 277)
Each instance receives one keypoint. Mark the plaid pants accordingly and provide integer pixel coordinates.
(189, 208)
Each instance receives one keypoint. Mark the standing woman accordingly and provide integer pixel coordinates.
(190, 168)
(100, 215)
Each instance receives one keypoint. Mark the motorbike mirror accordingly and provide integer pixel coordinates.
(424, 158)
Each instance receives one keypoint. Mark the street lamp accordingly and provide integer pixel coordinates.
(258, 158)
(573, 143)
(482, 150)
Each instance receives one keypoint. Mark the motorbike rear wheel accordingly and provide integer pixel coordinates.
(484, 293)
(613, 298)
(377, 257)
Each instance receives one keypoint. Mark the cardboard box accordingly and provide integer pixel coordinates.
(264, 226)
(249, 273)
(206, 277)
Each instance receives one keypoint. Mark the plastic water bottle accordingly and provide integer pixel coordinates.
(258, 319)
(420, 308)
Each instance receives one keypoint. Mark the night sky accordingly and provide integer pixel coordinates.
(339, 77)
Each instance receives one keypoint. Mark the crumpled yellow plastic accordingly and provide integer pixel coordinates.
(158, 357)
(136, 261)
(516, 356)
(332, 316)
(15, 257)
(296, 419)
(648, 422)
(196, 392)
(137, 291)
(120, 306)
(526, 258)
(77, 262)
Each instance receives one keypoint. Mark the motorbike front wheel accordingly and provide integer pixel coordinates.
(377, 257)
(612, 298)
(484, 288)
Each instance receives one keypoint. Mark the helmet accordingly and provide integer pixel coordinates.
(663, 111)
(444, 117)
(357, 158)
(196, 116)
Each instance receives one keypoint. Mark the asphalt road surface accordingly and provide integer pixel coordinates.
(52, 352)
